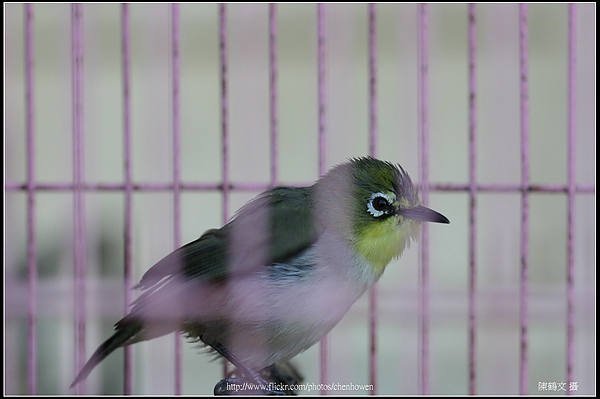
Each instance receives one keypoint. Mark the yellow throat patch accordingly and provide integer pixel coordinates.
(380, 242)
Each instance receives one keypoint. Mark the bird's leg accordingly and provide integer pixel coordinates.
(222, 386)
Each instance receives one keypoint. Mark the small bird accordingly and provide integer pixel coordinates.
(282, 273)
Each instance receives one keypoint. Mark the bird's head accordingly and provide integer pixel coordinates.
(375, 205)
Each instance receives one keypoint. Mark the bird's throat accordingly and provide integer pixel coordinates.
(379, 243)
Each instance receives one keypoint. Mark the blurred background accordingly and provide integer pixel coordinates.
(347, 135)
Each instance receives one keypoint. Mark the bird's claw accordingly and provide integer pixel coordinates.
(283, 376)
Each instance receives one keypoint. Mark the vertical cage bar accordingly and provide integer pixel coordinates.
(78, 187)
(175, 75)
(572, 81)
(373, 153)
(423, 48)
(321, 61)
(321, 71)
(128, 228)
(524, 252)
(472, 199)
(32, 274)
(273, 111)
(373, 80)
(224, 124)
(224, 108)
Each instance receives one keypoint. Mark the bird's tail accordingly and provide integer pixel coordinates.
(125, 331)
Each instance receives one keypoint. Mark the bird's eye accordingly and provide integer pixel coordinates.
(378, 204)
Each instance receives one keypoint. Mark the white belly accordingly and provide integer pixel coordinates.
(276, 317)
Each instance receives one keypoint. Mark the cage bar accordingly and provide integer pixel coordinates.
(423, 48)
(321, 77)
(32, 275)
(224, 110)
(273, 111)
(373, 152)
(472, 49)
(571, 148)
(243, 186)
(225, 187)
(321, 89)
(524, 107)
(373, 80)
(128, 282)
(79, 230)
(176, 121)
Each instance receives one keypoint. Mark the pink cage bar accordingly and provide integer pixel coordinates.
(79, 187)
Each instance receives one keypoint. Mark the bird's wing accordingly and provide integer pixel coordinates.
(271, 228)
(293, 227)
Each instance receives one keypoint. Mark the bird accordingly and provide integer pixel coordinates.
(286, 268)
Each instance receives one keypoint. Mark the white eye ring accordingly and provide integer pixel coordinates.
(371, 209)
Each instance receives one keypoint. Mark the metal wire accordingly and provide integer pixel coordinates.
(472, 200)
(32, 275)
(423, 46)
(525, 167)
(321, 82)
(128, 282)
(79, 230)
(225, 188)
(373, 152)
(571, 191)
(273, 109)
(176, 122)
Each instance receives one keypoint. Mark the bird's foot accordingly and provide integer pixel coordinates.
(284, 375)
(277, 379)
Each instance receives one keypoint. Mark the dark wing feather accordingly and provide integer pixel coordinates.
(271, 228)
(205, 257)
(293, 227)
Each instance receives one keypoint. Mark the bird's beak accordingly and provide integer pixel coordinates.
(423, 214)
